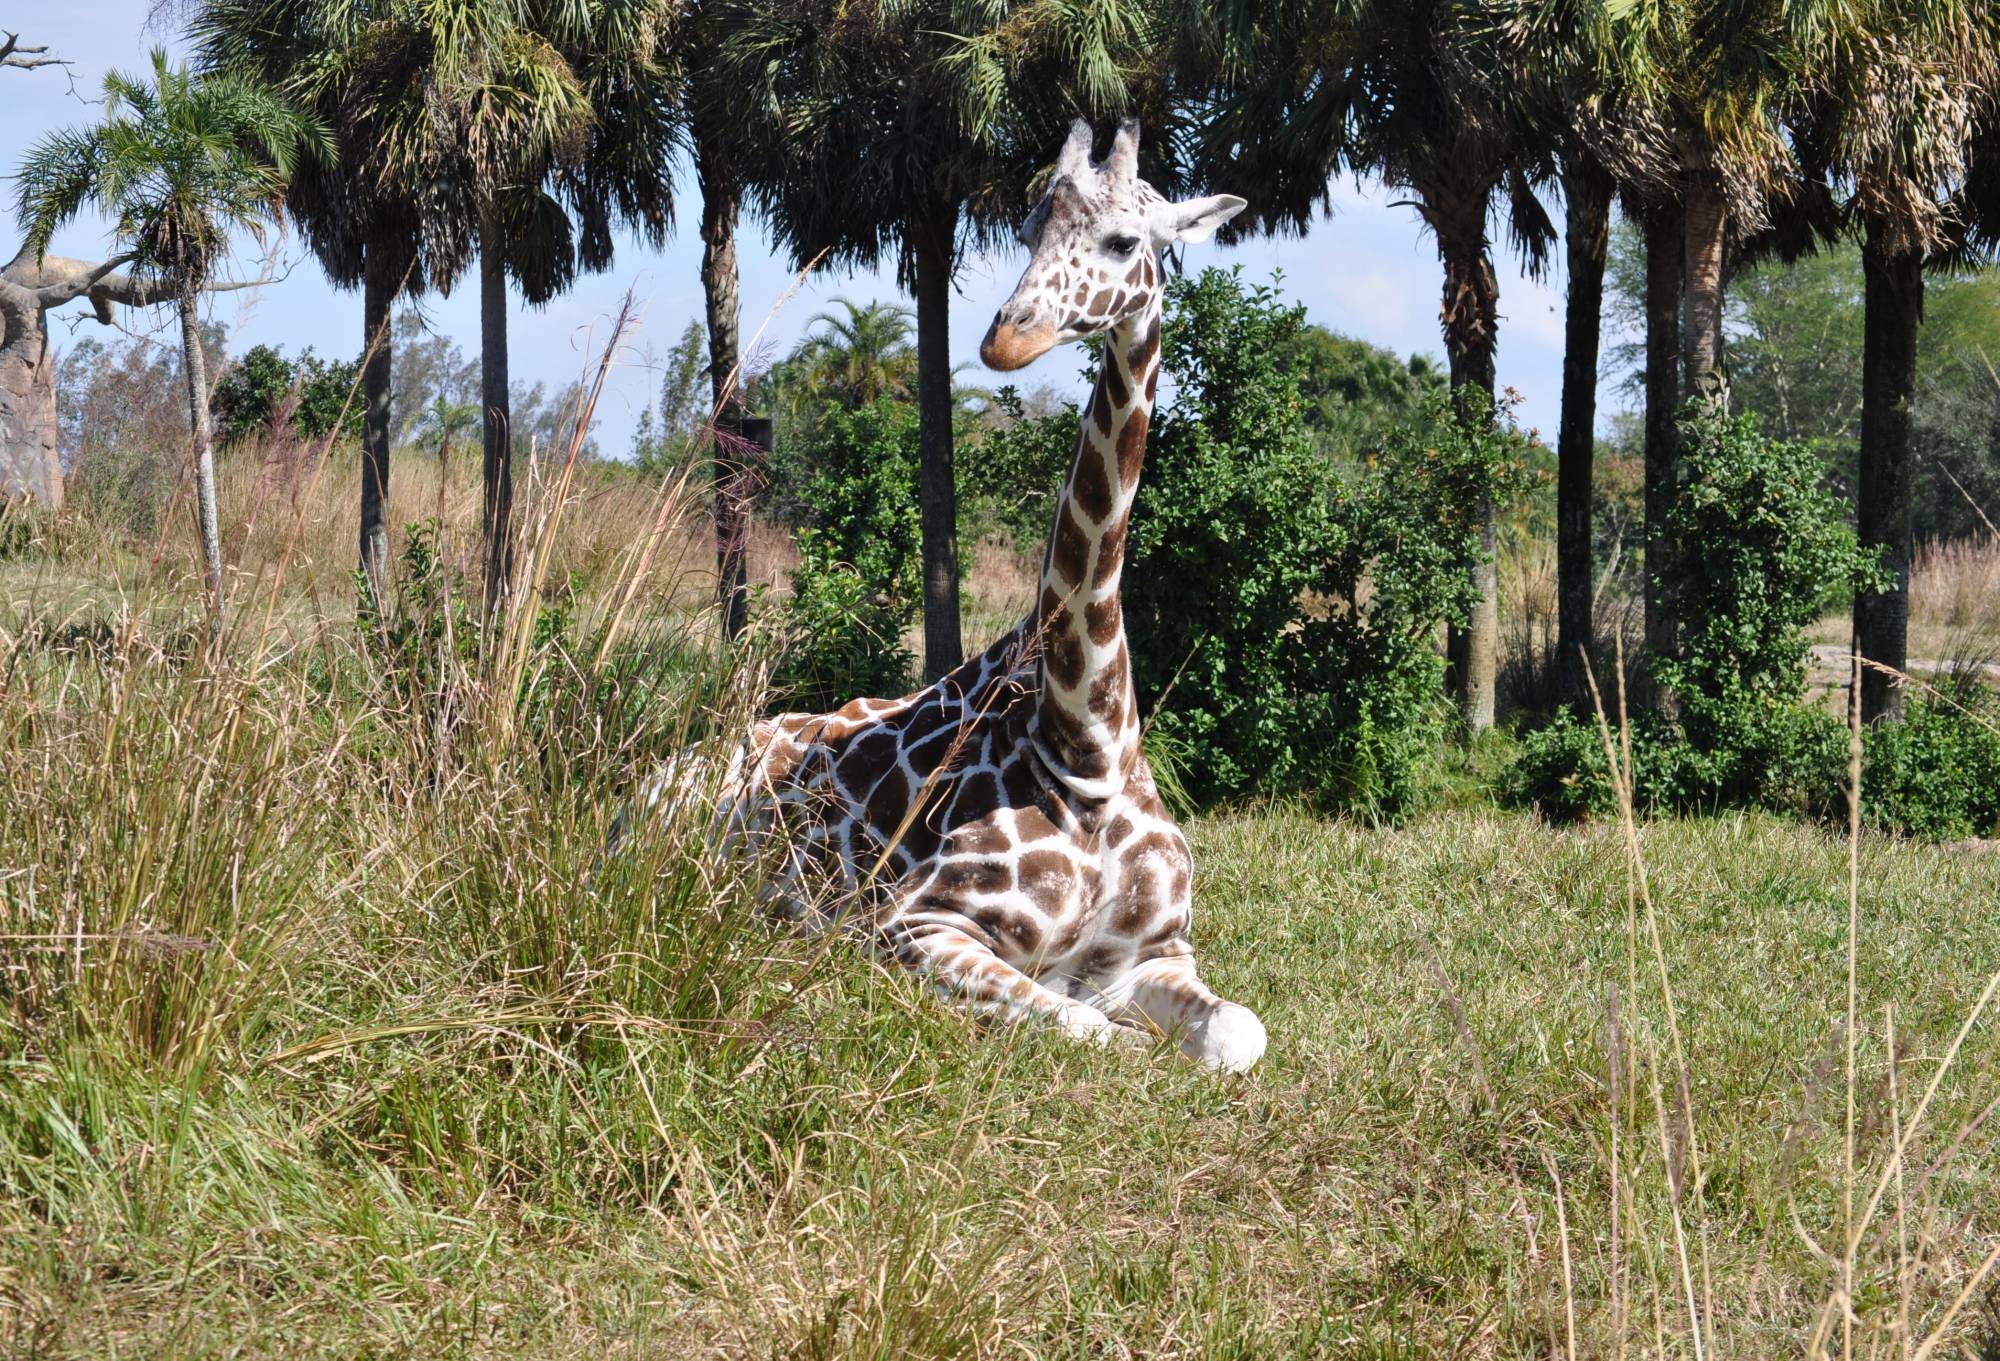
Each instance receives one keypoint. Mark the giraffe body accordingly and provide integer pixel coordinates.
(999, 831)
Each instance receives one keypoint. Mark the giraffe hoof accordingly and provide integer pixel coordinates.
(1231, 1040)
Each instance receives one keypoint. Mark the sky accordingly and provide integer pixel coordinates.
(1366, 270)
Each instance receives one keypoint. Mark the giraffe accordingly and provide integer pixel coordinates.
(999, 831)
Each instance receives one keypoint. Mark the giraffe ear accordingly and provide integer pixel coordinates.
(1074, 159)
(1197, 218)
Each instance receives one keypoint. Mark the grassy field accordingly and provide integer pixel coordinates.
(323, 1032)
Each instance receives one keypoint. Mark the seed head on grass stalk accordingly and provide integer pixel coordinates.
(672, 490)
(523, 604)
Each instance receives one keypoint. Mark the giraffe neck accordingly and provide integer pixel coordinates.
(1086, 720)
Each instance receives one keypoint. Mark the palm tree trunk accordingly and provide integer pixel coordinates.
(1894, 312)
(721, 204)
(1469, 315)
(379, 284)
(1664, 242)
(937, 491)
(207, 520)
(497, 523)
(1586, 235)
(1705, 225)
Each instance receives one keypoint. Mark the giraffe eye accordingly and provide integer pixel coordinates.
(1123, 245)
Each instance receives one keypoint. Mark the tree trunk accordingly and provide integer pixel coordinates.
(30, 462)
(207, 520)
(1469, 316)
(1663, 312)
(937, 488)
(1586, 235)
(1705, 229)
(497, 522)
(379, 285)
(29, 288)
(721, 204)
(1895, 310)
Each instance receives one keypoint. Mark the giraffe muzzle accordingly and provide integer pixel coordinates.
(1008, 347)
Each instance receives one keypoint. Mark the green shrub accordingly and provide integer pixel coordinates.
(858, 584)
(254, 391)
(1280, 607)
(1936, 773)
(1561, 771)
(1362, 658)
(1768, 541)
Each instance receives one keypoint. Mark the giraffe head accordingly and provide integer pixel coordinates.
(1095, 239)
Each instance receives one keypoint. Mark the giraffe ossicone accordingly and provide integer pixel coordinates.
(999, 831)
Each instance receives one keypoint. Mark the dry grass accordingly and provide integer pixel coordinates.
(1954, 606)
(1955, 592)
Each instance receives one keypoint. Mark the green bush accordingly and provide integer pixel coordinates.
(1561, 771)
(1936, 773)
(858, 584)
(1362, 659)
(254, 391)
(1768, 541)
(1280, 609)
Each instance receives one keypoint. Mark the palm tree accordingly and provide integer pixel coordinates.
(903, 130)
(354, 65)
(445, 421)
(1717, 77)
(177, 165)
(522, 133)
(1900, 94)
(862, 355)
(573, 109)
(1584, 100)
(1294, 94)
(717, 134)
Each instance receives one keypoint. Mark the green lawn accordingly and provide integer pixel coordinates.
(390, 1144)
(323, 1032)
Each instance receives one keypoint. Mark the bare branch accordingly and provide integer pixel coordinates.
(15, 53)
(76, 285)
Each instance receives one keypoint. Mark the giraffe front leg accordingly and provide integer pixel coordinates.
(1170, 998)
(966, 968)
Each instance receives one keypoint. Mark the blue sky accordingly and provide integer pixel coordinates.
(1366, 271)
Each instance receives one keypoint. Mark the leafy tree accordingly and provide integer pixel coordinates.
(1408, 92)
(123, 416)
(1281, 607)
(898, 130)
(427, 366)
(1356, 392)
(681, 405)
(177, 164)
(683, 410)
(311, 394)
